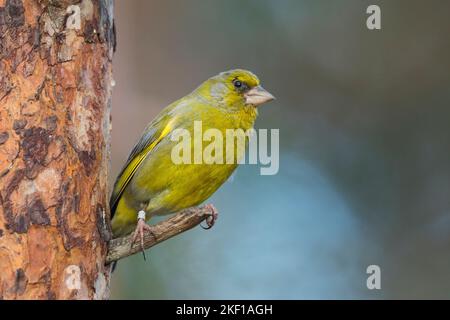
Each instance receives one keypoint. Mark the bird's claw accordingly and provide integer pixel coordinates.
(212, 217)
(141, 227)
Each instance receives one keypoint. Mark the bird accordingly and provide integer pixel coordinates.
(151, 184)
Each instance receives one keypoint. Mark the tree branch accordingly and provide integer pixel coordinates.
(187, 219)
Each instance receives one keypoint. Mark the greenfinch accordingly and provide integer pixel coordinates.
(151, 183)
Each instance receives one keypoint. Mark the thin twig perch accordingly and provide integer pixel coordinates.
(187, 219)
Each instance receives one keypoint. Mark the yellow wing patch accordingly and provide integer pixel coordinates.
(132, 166)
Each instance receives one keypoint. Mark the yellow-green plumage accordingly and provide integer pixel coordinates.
(151, 181)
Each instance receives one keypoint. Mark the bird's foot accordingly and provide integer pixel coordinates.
(212, 217)
(141, 227)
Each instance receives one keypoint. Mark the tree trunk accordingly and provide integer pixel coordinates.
(55, 100)
(55, 91)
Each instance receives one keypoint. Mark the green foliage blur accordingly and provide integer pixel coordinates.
(364, 147)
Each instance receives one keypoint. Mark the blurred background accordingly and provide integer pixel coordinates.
(364, 147)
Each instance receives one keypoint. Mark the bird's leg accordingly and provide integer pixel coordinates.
(141, 227)
(211, 219)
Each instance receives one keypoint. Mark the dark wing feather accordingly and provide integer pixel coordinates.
(153, 133)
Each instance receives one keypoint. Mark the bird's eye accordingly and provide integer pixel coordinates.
(237, 84)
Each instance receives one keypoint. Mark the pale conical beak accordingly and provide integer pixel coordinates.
(257, 96)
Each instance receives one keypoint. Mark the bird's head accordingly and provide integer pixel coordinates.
(235, 89)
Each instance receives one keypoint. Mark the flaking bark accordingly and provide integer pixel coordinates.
(55, 91)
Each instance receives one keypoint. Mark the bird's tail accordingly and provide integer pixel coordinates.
(123, 223)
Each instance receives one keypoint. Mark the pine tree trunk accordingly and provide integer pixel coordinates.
(55, 91)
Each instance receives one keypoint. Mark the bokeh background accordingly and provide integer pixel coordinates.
(364, 147)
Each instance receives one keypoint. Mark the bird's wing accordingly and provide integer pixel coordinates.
(153, 134)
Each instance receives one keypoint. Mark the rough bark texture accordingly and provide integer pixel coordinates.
(55, 89)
